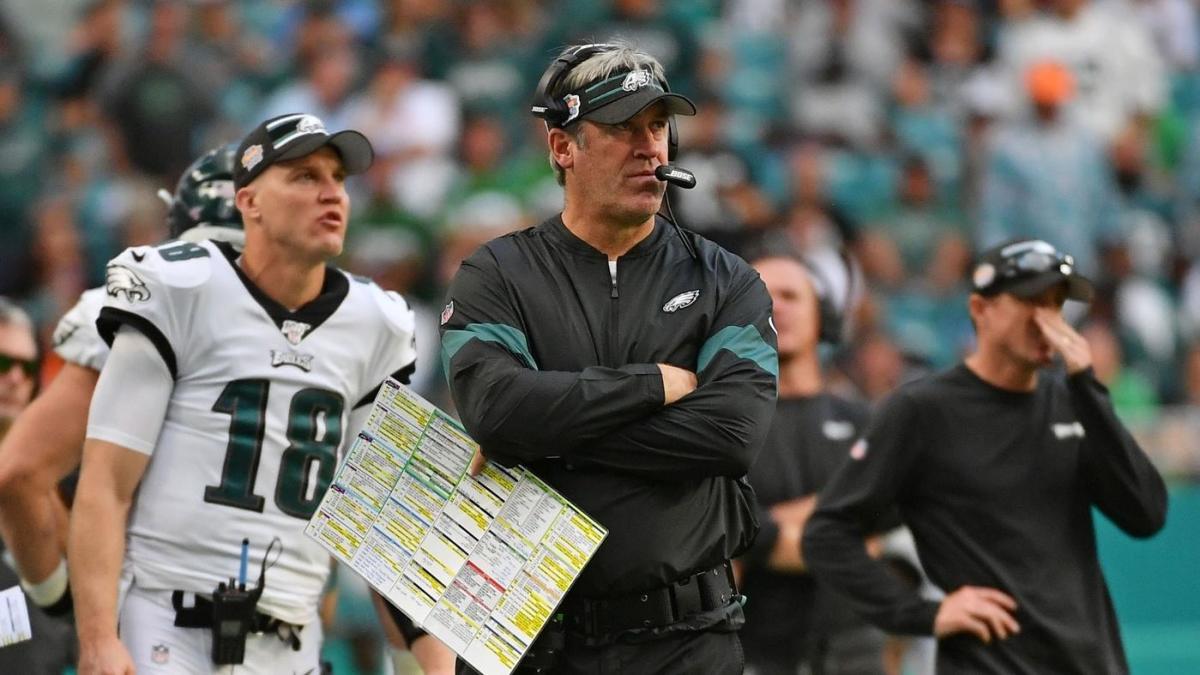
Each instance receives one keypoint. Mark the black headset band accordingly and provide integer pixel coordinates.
(544, 106)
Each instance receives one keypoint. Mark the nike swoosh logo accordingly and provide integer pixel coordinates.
(138, 257)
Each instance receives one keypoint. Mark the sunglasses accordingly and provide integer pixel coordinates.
(27, 366)
(1036, 261)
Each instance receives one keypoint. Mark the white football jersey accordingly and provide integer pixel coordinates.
(257, 418)
(75, 337)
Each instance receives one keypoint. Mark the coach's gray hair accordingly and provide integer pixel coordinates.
(12, 314)
(623, 56)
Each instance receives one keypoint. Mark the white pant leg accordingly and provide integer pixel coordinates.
(158, 647)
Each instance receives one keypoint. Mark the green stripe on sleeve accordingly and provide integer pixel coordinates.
(744, 342)
(506, 336)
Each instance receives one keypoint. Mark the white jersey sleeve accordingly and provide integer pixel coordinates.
(76, 339)
(396, 350)
(130, 402)
(149, 288)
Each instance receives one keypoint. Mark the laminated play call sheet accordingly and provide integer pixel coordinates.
(480, 562)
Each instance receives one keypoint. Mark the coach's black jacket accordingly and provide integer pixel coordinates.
(551, 364)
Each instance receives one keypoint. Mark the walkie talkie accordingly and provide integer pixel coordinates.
(233, 610)
(233, 615)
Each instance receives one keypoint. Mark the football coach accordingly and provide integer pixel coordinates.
(631, 365)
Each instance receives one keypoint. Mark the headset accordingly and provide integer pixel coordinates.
(830, 315)
(827, 309)
(555, 113)
(554, 110)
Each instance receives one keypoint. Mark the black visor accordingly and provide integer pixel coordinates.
(619, 97)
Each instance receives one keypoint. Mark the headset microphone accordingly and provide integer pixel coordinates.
(675, 176)
(684, 179)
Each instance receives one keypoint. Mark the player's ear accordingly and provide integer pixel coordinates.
(976, 303)
(246, 200)
(562, 147)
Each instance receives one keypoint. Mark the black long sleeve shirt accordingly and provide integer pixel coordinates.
(807, 442)
(551, 363)
(997, 488)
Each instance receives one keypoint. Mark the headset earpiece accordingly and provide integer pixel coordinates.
(828, 314)
(672, 132)
(831, 322)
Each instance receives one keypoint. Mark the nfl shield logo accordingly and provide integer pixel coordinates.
(160, 654)
(447, 312)
(294, 331)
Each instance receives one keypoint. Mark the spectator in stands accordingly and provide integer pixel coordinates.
(1133, 394)
(414, 124)
(24, 164)
(1049, 178)
(329, 65)
(154, 99)
(1118, 73)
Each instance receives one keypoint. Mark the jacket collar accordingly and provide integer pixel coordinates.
(558, 233)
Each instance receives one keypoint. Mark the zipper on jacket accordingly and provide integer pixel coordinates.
(613, 331)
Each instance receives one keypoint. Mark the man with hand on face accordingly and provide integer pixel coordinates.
(995, 466)
(631, 366)
(231, 385)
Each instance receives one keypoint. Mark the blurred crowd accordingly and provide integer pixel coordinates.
(885, 139)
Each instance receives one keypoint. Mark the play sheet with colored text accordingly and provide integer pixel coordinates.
(480, 562)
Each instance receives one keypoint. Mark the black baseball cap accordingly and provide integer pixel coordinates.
(620, 96)
(293, 136)
(1025, 268)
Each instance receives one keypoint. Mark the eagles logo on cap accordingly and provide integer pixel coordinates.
(635, 80)
(310, 125)
(251, 157)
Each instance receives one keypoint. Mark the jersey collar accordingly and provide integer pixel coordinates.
(333, 291)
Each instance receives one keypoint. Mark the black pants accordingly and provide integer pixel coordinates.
(677, 654)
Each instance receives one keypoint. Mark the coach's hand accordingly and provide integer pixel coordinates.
(1074, 348)
(477, 463)
(677, 382)
(106, 656)
(986, 613)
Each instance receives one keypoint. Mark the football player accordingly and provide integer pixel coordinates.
(44, 444)
(232, 381)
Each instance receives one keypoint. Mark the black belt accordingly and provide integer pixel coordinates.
(200, 615)
(663, 606)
